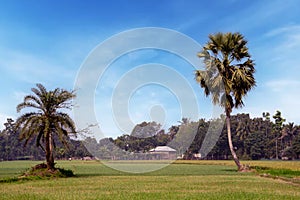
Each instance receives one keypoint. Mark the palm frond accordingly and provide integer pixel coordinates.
(27, 105)
(229, 73)
(32, 98)
(41, 88)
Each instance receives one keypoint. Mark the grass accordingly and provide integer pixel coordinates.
(181, 180)
(275, 164)
(15, 168)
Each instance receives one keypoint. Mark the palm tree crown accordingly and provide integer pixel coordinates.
(229, 73)
(44, 120)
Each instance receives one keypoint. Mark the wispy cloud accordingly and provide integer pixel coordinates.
(287, 37)
(283, 44)
(290, 29)
(33, 69)
(283, 85)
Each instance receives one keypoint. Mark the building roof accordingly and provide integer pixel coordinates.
(162, 149)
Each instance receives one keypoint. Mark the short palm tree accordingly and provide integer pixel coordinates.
(44, 120)
(228, 75)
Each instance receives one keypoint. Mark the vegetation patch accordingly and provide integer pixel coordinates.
(282, 174)
(9, 180)
(40, 171)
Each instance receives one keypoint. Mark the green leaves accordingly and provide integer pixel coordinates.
(229, 71)
(46, 119)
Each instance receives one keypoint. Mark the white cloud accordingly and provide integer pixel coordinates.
(283, 30)
(32, 69)
(283, 85)
(285, 40)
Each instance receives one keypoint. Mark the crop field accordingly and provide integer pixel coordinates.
(180, 180)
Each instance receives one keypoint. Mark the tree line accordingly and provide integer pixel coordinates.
(253, 138)
(258, 138)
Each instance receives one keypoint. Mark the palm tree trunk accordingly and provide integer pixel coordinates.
(235, 158)
(49, 152)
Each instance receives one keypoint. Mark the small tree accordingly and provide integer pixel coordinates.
(45, 119)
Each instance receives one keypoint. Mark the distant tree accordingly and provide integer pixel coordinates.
(277, 128)
(266, 115)
(146, 129)
(296, 146)
(229, 75)
(267, 122)
(199, 137)
(173, 131)
(255, 145)
(289, 131)
(184, 121)
(288, 134)
(221, 149)
(9, 126)
(184, 138)
(44, 120)
(243, 128)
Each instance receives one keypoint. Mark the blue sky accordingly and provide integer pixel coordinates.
(47, 42)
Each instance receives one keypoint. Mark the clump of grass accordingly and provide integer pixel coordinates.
(40, 171)
(9, 180)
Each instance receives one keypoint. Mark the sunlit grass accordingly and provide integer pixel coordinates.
(182, 180)
(15, 168)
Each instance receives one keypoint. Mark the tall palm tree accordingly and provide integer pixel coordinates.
(44, 120)
(228, 76)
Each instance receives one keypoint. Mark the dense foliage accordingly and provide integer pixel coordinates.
(12, 148)
(253, 138)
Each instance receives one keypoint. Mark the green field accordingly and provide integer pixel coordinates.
(181, 180)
